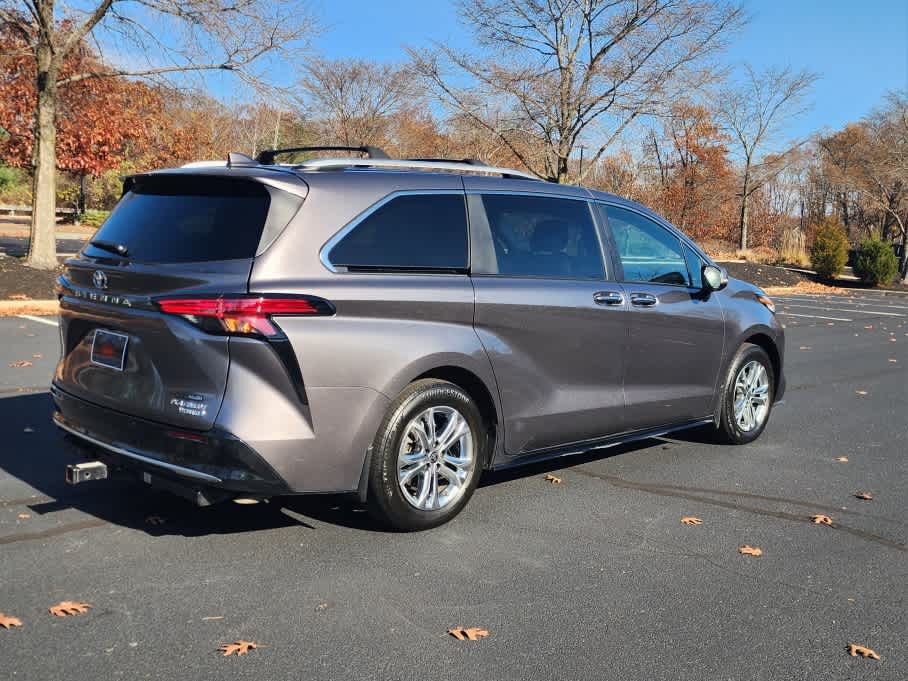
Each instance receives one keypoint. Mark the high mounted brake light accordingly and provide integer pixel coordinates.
(244, 314)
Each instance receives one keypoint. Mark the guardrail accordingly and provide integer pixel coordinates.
(26, 211)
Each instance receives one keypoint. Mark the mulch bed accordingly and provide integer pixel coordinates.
(17, 280)
(764, 275)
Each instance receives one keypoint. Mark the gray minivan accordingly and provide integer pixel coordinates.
(391, 328)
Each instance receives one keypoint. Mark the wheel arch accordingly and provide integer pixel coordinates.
(763, 339)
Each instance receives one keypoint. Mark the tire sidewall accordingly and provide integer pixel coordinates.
(745, 354)
(386, 500)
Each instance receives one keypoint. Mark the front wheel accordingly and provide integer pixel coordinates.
(747, 395)
(426, 457)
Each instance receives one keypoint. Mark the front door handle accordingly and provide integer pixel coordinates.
(608, 298)
(643, 299)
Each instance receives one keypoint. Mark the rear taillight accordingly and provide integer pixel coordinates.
(245, 314)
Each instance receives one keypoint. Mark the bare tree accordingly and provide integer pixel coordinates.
(566, 71)
(754, 112)
(160, 37)
(353, 99)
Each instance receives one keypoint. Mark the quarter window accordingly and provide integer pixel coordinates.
(648, 251)
(538, 236)
(412, 231)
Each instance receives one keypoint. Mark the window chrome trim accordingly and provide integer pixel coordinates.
(328, 246)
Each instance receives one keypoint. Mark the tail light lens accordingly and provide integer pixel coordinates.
(249, 315)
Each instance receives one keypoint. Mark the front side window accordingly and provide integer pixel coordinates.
(649, 252)
(540, 236)
(411, 231)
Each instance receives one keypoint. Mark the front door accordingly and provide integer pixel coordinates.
(549, 318)
(676, 332)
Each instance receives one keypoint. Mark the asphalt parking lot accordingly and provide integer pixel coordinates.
(593, 578)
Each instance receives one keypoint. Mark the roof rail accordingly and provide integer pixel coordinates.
(266, 157)
(410, 164)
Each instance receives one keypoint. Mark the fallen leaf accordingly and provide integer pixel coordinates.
(38, 356)
(691, 520)
(212, 617)
(241, 647)
(65, 608)
(860, 392)
(155, 520)
(821, 520)
(854, 650)
(869, 327)
(892, 340)
(554, 479)
(804, 347)
(23, 516)
(471, 633)
(21, 364)
(866, 496)
(28, 429)
(843, 459)
(8, 622)
(893, 360)
(750, 551)
(321, 607)
(830, 323)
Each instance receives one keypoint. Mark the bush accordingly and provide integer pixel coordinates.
(94, 218)
(876, 263)
(15, 187)
(830, 249)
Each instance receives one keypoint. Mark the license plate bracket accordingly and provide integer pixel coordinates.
(108, 349)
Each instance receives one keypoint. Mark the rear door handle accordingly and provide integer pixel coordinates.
(608, 298)
(643, 299)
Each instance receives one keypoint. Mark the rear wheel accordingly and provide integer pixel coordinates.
(747, 395)
(426, 457)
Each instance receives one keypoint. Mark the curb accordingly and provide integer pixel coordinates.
(13, 308)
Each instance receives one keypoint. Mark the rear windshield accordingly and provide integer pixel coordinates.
(186, 219)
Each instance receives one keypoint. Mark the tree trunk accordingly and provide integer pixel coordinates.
(742, 223)
(42, 249)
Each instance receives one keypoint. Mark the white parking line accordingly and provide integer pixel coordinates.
(840, 301)
(815, 316)
(40, 320)
(849, 310)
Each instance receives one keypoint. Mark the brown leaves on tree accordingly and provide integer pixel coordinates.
(468, 633)
(866, 496)
(821, 520)
(691, 520)
(21, 364)
(8, 622)
(750, 551)
(554, 479)
(854, 650)
(64, 608)
(240, 647)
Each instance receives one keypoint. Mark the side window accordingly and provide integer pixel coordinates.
(539, 236)
(648, 251)
(694, 266)
(412, 231)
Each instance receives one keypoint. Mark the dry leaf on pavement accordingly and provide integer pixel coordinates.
(21, 364)
(241, 647)
(860, 392)
(854, 650)
(554, 479)
(750, 551)
(8, 621)
(893, 360)
(691, 520)
(821, 520)
(65, 608)
(471, 633)
(23, 516)
(843, 459)
(804, 347)
(866, 496)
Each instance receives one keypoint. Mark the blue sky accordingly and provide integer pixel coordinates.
(859, 47)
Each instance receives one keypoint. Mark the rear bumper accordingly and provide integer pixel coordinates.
(210, 459)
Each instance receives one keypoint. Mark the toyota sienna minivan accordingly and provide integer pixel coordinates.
(391, 328)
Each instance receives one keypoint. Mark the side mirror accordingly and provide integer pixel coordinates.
(714, 279)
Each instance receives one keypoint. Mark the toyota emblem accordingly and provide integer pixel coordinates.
(99, 279)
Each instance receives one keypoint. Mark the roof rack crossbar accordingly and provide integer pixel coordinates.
(266, 156)
(454, 166)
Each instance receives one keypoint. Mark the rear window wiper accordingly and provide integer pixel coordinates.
(119, 249)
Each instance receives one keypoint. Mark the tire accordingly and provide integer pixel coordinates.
(403, 451)
(750, 369)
